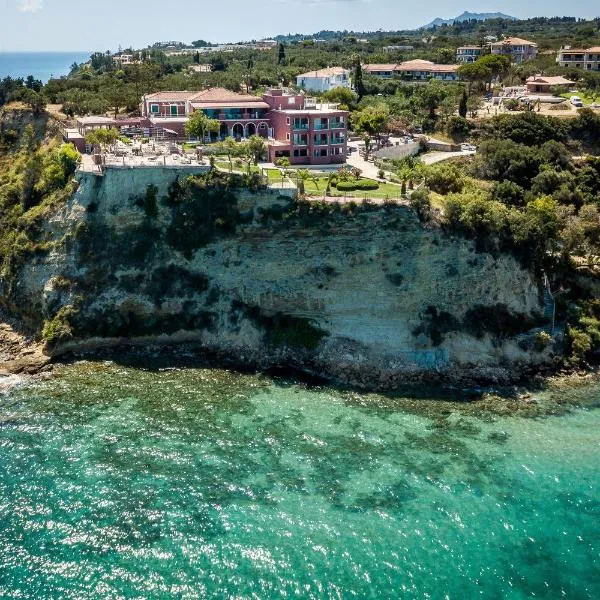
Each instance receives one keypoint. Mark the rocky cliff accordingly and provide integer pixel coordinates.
(361, 294)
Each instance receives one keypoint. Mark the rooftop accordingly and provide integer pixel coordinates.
(514, 41)
(95, 120)
(329, 72)
(412, 65)
(593, 50)
(379, 67)
(558, 80)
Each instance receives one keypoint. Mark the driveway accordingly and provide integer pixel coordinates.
(435, 157)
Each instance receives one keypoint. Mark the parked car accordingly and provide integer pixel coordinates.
(468, 148)
(576, 101)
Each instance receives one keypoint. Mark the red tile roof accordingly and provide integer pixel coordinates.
(514, 41)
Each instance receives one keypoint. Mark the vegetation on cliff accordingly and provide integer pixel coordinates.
(524, 193)
(35, 179)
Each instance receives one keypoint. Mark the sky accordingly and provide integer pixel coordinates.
(64, 25)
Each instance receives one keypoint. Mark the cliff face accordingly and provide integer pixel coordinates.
(365, 295)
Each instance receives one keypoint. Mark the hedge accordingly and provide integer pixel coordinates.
(360, 184)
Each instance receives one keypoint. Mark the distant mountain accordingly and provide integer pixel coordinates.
(469, 16)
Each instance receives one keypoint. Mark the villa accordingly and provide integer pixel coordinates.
(414, 70)
(384, 71)
(468, 54)
(539, 84)
(518, 49)
(294, 126)
(588, 60)
(324, 80)
(240, 115)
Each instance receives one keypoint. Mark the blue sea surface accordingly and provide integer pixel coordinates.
(42, 65)
(120, 482)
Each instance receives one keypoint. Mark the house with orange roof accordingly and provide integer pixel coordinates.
(295, 127)
(543, 84)
(382, 70)
(414, 70)
(579, 58)
(518, 49)
(240, 115)
(323, 80)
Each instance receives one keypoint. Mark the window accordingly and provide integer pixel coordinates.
(301, 152)
(174, 110)
(287, 121)
(154, 109)
(287, 136)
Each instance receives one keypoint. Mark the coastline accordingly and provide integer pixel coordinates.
(23, 356)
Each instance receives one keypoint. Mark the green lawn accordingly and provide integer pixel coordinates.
(223, 164)
(585, 98)
(318, 187)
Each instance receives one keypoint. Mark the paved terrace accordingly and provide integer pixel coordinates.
(158, 154)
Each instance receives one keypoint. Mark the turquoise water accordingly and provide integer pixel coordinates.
(123, 483)
(42, 65)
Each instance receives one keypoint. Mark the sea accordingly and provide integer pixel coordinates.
(42, 65)
(126, 481)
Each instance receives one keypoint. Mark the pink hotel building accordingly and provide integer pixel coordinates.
(294, 126)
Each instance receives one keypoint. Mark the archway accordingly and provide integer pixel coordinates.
(263, 130)
(237, 131)
(250, 129)
(224, 130)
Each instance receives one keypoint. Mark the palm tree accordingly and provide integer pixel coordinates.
(302, 176)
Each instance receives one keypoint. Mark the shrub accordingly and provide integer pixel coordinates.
(358, 185)
(458, 128)
(542, 340)
(444, 179)
(421, 203)
(59, 328)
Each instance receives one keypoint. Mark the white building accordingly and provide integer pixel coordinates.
(324, 80)
(580, 58)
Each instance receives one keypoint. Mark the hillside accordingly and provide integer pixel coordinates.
(469, 16)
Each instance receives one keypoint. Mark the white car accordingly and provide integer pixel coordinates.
(576, 101)
(467, 148)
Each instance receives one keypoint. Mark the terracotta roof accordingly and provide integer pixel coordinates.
(325, 72)
(593, 50)
(469, 48)
(558, 80)
(231, 104)
(514, 41)
(425, 65)
(379, 67)
(222, 95)
(171, 96)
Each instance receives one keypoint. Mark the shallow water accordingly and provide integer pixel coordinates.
(123, 483)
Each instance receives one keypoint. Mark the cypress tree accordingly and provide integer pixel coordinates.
(462, 106)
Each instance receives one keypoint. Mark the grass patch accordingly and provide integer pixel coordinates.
(585, 98)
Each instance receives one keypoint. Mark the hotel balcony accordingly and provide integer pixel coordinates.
(337, 125)
(321, 126)
(338, 139)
